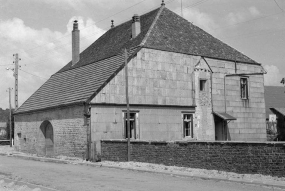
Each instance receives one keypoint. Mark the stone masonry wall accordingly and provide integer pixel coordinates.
(240, 157)
(152, 123)
(70, 134)
(4, 142)
(166, 78)
(155, 77)
(250, 114)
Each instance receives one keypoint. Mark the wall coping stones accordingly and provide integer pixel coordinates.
(4, 142)
(181, 142)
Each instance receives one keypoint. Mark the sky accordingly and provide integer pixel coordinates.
(40, 32)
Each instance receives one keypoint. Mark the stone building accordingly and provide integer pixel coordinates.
(3, 130)
(184, 84)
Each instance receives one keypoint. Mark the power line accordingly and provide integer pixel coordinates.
(256, 33)
(7, 65)
(96, 22)
(86, 37)
(278, 6)
(250, 20)
(34, 74)
(195, 4)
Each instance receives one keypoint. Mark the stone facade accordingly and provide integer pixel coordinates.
(161, 78)
(250, 124)
(3, 130)
(69, 131)
(163, 88)
(152, 123)
(240, 157)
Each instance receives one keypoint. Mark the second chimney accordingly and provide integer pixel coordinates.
(136, 26)
(75, 43)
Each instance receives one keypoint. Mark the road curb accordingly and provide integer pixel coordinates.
(61, 161)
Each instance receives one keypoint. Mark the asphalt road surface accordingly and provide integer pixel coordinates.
(85, 178)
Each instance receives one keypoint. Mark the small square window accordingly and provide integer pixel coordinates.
(203, 85)
(188, 125)
(244, 88)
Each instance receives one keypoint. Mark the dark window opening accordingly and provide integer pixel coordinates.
(203, 85)
(244, 88)
(188, 125)
(132, 125)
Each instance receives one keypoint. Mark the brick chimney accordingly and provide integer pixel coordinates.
(75, 43)
(136, 26)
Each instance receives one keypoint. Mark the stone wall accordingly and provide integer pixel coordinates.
(152, 123)
(240, 157)
(69, 130)
(4, 142)
(251, 121)
(166, 78)
(155, 77)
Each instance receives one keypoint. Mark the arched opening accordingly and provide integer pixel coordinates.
(47, 130)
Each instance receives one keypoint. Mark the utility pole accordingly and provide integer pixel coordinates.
(10, 117)
(16, 78)
(128, 106)
(15, 74)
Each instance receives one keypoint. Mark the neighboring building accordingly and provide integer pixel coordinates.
(178, 78)
(274, 103)
(280, 123)
(274, 98)
(3, 130)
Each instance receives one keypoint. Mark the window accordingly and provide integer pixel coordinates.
(188, 125)
(244, 88)
(133, 128)
(203, 85)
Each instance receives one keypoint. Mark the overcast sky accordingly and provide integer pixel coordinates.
(40, 32)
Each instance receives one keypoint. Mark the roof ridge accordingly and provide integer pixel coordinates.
(152, 25)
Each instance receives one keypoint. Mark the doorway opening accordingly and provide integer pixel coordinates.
(47, 130)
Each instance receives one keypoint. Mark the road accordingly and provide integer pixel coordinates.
(70, 177)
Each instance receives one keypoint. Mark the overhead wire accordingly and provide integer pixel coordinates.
(192, 5)
(195, 4)
(96, 22)
(6, 64)
(33, 74)
(249, 20)
(85, 37)
(278, 5)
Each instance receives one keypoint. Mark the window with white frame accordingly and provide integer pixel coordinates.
(133, 125)
(188, 125)
(244, 88)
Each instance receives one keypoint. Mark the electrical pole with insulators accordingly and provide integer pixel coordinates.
(10, 116)
(16, 78)
(15, 74)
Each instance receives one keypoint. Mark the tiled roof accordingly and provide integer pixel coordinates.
(274, 98)
(72, 86)
(173, 33)
(160, 29)
(114, 41)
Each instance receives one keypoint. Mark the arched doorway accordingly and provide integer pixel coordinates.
(47, 130)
